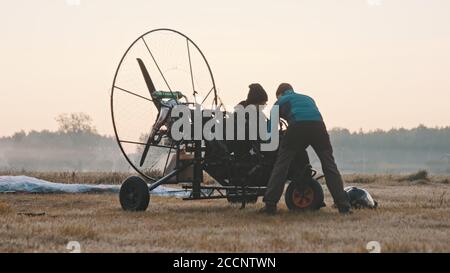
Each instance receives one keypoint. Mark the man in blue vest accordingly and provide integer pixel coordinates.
(306, 127)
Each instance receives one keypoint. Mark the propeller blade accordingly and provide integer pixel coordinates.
(148, 81)
(144, 154)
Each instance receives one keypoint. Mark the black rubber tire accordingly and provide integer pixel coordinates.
(134, 194)
(317, 194)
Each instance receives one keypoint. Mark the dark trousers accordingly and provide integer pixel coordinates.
(299, 136)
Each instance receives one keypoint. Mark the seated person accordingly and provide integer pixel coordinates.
(256, 96)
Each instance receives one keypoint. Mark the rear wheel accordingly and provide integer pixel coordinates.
(134, 194)
(310, 198)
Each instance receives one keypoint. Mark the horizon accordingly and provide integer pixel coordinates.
(368, 64)
(329, 129)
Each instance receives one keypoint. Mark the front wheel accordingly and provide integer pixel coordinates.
(134, 194)
(310, 198)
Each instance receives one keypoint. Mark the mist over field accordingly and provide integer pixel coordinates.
(396, 151)
(53, 151)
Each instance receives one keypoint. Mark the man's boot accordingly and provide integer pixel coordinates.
(344, 209)
(269, 209)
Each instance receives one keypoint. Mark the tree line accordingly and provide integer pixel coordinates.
(77, 146)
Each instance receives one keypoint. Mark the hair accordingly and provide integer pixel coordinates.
(283, 88)
(256, 94)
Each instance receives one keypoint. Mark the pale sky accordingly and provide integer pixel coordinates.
(368, 63)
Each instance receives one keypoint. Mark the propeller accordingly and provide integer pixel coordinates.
(151, 89)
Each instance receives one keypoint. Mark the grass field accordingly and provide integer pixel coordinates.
(413, 217)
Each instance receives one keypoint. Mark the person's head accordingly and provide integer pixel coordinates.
(256, 95)
(283, 88)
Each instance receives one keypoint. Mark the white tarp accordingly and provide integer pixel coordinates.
(25, 184)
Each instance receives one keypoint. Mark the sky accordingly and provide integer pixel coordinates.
(368, 64)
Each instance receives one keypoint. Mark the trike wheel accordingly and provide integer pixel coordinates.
(134, 194)
(310, 198)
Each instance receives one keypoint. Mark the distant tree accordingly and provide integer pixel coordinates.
(75, 123)
(19, 136)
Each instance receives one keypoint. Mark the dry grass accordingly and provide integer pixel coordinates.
(4, 208)
(420, 175)
(411, 218)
